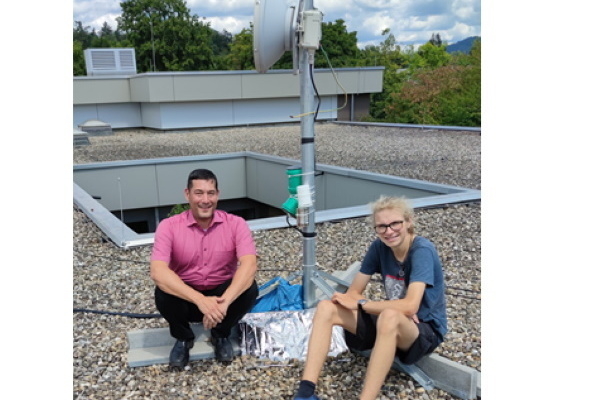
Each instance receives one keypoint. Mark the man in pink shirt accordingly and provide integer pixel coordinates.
(204, 264)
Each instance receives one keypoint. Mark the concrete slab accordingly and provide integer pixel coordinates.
(153, 346)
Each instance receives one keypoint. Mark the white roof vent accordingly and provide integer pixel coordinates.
(111, 61)
(95, 127)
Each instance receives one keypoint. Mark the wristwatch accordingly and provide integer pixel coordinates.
(361, 303)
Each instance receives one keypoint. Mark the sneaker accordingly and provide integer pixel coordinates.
(223, 349)
(313, 397)
(180, 354)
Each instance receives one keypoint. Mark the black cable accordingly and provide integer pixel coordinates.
(463, 296)
(466, 290)
(312, 80)
(146, 316)
(287, 219)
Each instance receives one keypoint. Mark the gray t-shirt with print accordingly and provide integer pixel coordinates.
(422, 264)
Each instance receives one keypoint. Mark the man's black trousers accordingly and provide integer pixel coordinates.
(179, 313)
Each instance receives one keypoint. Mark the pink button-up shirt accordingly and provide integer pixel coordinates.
(203, 259)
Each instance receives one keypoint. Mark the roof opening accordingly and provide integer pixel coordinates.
(127, 199)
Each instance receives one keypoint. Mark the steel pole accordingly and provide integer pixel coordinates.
(308, 174)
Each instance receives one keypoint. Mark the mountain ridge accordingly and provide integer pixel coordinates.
(462, 45)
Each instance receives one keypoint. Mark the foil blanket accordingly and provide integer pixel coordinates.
(283, 335)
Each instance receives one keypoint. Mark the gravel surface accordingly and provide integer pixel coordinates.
(111, 279)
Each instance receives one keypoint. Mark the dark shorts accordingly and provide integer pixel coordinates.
(366, 332)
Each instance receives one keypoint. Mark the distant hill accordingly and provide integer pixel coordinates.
(464, 45)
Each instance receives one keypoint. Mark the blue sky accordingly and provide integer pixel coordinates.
(411, 21)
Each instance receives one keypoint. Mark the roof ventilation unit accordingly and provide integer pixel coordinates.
(80, 138)
(93, 127)
(111, 61)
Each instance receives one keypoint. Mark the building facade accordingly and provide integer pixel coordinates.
(205, 99)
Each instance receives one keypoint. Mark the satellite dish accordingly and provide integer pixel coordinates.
(275, 26)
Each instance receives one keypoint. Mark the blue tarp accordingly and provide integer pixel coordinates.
(285, 297)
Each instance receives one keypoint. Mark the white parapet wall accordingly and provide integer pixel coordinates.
(188, 100)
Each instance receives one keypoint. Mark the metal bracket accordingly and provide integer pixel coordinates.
(412, 370)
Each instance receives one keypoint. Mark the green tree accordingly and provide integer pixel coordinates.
(241, 55)
(423, 92)
(430, 56)
(462, 107)
(370, 56)
(178, 209)
(107, 37)
(388, 54)
(445, 95)
(339, 45)
(435, 40)
(166, 35)
(221, 43)
(83, 34)
(78, 59)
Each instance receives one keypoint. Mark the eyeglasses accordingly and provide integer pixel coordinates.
(395, 226)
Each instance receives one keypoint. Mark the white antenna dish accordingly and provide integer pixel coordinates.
(275, 32)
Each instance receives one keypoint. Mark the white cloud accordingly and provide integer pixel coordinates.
(220, 7)
(436, 22)
(411, 38)
(464, 12)
(379, 4)
(461, 31)
(221, 4)
(362, 45)
(411, 21)
(334, 5)
(111, 19)
(94, 13)
(92, 8)
(232, 25)
(467, 11)
(377, 23)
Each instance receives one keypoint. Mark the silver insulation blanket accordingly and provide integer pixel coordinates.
(283, 335)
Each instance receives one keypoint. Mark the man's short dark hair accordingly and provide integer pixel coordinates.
(203, 174)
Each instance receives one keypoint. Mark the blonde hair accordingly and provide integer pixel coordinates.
(400, 204)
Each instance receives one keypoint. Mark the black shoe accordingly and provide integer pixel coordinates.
(180, 354)
(223, 349)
